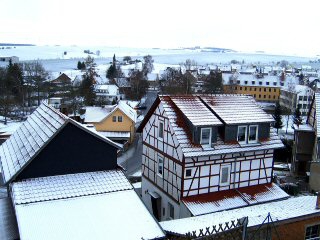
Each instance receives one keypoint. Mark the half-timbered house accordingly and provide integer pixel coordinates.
(207, 153)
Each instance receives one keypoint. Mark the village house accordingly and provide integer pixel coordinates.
(116, 122)
(296, 96)
(64, 183)
(108, 93)
(207, 153)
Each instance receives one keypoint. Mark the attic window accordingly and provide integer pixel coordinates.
(119, 118)
(114, 118)
(160, 133)
(205, 138)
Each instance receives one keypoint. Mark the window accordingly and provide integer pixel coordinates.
(260, 83)
(253, 134)
(259, 89)
(119, 118)
(245, 88)
(259, 95)
(253, 82)
(188, 172)
(171, 211)
(274, 83)
(242, 134)
(114, 118)
(274, 90)
(160, 130)
(240, 88)
(312, 232)
(160, 166)
(245, 82)
(265, 89)
(225, 175)
(205, 138)
(267, 83)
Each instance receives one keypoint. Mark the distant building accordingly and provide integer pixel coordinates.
(296, 96)
(14, 59)
(114, 122)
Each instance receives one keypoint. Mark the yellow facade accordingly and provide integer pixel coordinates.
(260, 93)
(112, 123)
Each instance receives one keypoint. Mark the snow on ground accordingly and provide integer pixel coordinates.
(11, 126)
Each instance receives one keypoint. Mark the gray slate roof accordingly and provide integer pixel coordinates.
(32, 136)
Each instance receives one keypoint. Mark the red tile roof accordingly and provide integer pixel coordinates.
(234, 198)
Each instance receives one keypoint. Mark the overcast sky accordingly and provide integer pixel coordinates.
(278, 26)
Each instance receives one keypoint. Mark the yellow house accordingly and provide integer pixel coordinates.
(116, 122)
(266, 88)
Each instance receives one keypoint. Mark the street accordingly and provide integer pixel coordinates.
(130, 160)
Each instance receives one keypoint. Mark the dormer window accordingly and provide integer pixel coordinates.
(205, 138)
(242, 134)
(247, 134)
(253, 134)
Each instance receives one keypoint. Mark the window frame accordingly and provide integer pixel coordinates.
(120, 118)
(161, 123)
(188, 169)
(210, 136)
(160, 165)
(257, 130)
(170, 211)
(223, 166)
(114, 118)
(309, 235)
(246, 133)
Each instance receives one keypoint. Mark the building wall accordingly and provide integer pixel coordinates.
(180, 211)
(260, 93)
(247, 169)
(314, 180)
(72, 150)
(293, 230)
(166, 149)
(127, 125)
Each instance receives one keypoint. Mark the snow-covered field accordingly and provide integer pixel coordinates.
(63, 58)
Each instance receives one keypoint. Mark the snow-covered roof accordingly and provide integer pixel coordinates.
(237, 109)
(230, 112)
(194, 109)
(96, 205)
(32, 136)
(291, 208)
(97, 114)
(111, 135)
(128, 110)
(110, 89)
(63, 186)
(235, 198)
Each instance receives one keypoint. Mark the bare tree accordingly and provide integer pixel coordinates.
(35, 76)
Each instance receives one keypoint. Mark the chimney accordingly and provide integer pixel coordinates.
(318, 200)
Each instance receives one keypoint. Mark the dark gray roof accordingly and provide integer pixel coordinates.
(32, 136)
